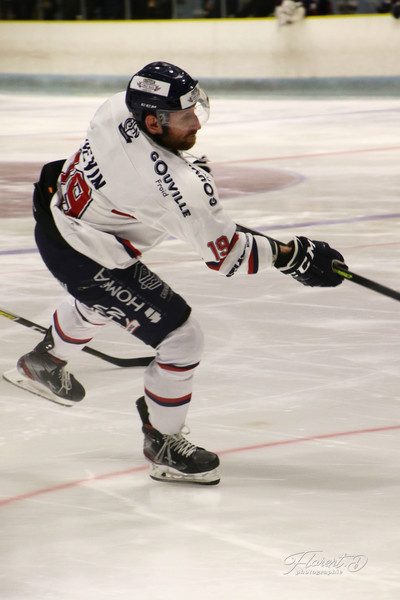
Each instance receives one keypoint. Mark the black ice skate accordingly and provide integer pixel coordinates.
(173, 457)
(45, 375)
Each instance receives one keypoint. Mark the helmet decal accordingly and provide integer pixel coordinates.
(162, 88)
(150, 86)
(188, 100)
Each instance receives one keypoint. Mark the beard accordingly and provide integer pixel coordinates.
(175, 142)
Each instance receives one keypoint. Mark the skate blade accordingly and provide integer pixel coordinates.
(163, 473)
(14, 376)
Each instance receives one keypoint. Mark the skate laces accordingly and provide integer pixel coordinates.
(177, 443)
(62, 374)
(65, 380)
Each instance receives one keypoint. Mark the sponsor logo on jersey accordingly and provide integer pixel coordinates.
(129, 130)
(147, 279)
(208, 188)
(167, 185)
(133, 302)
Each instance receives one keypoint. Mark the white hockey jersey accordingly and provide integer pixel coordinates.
(122, 194)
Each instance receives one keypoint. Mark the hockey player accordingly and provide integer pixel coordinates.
(126, 189)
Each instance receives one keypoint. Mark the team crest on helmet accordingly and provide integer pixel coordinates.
(150, 86)
(188, 100)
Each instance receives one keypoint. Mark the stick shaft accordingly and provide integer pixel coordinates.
(368, 283)
(114, 360)
(337, 268)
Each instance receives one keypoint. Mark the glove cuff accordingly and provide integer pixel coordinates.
(285, 261)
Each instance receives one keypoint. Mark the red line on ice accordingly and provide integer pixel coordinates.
(77, 483)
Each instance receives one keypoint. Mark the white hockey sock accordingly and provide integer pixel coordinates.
(169, 378)
(74, 325)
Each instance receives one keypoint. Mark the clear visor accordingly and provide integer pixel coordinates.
(187, 118)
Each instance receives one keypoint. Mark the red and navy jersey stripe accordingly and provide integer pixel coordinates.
(122, 214)
(64, 336)
(170, 367)
(161, 401)
(253, 259)
(131, 250)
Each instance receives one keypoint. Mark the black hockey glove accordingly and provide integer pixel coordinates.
(311, 263)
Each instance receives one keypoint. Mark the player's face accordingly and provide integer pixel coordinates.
(180, 133)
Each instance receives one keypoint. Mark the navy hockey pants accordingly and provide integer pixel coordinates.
(135, 298)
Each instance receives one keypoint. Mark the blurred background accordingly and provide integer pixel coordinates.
(177, 9)
(299, 388)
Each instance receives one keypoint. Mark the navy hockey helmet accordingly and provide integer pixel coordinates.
(162, 88)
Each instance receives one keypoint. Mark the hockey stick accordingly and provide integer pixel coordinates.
(114, 360)
(340, 269)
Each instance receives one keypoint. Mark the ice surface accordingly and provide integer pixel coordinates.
(298, 390)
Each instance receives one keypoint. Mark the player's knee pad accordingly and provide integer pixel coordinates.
(183, 346)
